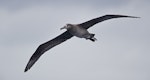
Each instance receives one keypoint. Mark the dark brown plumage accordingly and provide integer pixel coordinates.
(67, 35)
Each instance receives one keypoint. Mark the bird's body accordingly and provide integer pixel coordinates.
(78, 30)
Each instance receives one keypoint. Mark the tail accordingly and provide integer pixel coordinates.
(92, 38)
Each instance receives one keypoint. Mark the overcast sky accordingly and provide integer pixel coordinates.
(122, 51)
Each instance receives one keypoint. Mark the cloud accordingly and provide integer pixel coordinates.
(121, 52)
(19, 4)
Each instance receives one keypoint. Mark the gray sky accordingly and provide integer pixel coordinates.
(121, 53)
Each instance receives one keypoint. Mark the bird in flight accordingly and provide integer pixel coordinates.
(78, 30)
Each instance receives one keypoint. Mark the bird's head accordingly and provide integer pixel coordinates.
(67, 26)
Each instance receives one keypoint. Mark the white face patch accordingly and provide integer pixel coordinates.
(68, 26)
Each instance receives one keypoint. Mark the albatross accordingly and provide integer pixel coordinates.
(78, 30)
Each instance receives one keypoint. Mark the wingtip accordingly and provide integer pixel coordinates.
(134, 17)
(26, 69)
(29, 65)
(121, 15)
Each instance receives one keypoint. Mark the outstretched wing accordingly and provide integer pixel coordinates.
(46, 46)
(92, 22)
